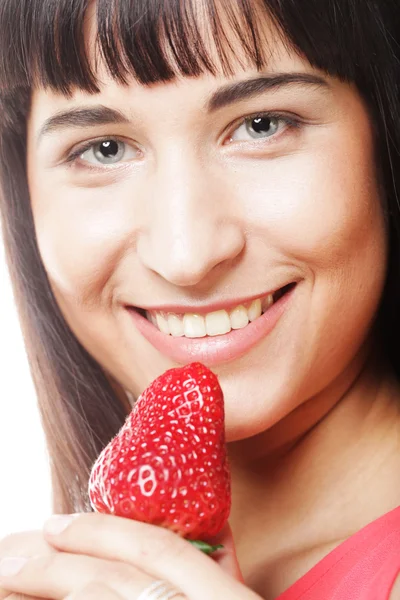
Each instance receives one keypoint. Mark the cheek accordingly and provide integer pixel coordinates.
(82, 236)
(320, 209)
(321, 212)
(80, 233)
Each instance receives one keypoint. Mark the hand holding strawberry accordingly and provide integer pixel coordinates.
(109, 557)
(168, 464)
(166, 467)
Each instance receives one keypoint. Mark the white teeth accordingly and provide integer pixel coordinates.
(214, 323)
(194, 326)
(255, 310)
(218, 323)
(175, 325)
(239, 318)
(162, 324)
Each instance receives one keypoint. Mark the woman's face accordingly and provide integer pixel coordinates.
(189, 210)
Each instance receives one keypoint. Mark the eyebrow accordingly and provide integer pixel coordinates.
(243, 90)
(83, 117)
(92, 116)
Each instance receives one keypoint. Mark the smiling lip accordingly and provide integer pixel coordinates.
(214, 350)
(202, 310)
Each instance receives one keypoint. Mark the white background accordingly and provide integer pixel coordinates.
(25, 493)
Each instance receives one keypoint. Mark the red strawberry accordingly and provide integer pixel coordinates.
(168, 464)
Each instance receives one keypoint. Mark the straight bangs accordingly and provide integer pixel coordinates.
(44, 43)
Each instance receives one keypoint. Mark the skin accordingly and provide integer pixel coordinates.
(313, 408)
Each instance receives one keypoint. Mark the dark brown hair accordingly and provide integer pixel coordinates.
(41, 43)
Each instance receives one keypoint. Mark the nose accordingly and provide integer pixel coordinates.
(192, 225)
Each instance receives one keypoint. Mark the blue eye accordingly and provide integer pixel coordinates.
(109, 151)
(263, 126)
(103, 152)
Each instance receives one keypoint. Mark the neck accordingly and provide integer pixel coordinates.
(327, 470)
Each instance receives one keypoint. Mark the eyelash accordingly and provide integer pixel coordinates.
(290, 122)
(76, 154)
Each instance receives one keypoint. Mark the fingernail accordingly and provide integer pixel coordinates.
(11, 565)
(58, 523)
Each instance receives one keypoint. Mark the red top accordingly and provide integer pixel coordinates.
(363, 567)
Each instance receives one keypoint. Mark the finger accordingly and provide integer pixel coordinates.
(94, 591)
(155, 550)
(13, 596)
(227, 558)
(62, 574)
(26, 543)
(7, 595)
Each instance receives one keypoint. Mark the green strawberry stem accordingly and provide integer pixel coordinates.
(204, 547)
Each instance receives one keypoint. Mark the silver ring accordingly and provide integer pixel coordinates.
(160, 590)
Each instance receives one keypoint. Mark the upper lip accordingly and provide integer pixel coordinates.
(210, 307)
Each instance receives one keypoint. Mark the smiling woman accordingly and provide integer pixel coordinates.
(214, 181)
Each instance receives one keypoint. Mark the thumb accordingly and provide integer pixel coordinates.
(226, 557)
